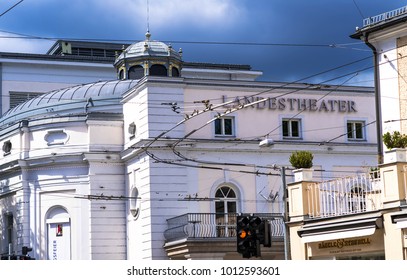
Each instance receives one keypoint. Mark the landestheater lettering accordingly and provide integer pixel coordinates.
(295, 104)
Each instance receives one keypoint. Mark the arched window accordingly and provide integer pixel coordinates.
(174, 72)
(357, 200)
(225, 200)
(158, 70)
(121, 75)
(225, 208)
(136, 72)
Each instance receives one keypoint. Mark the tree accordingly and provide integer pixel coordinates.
(395, 140)
(301, 159)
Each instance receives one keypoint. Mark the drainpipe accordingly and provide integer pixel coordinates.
(377, 101)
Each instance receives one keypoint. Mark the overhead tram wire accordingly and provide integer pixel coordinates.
(323, 96)
(225, 104)
(9, 9)
(249, 104)
(211, 107)
(179, 154)
(145, 148)
(343, 134)
(36, 37)
(214, 168)
(359, 10)
(312, 85)
(253, 138)
(355, 73)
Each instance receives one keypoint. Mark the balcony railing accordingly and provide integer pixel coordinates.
(213, 225)
(349, 195)
(385, 16)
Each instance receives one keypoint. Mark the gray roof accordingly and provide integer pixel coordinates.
(95, 95)
(148, 48)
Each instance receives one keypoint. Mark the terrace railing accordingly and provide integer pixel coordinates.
(214, 225)
(385, 16)
(361, 193)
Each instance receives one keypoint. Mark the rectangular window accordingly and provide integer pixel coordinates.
(17, 98)
(224, 126)
(291, 128)
(356, 130)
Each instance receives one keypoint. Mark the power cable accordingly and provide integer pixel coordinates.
(357, 7)
(130, 41)
(220, 115)
(9, 9)
(179, 154)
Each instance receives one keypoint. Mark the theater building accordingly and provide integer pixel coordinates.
(157, 163)
(362, 217)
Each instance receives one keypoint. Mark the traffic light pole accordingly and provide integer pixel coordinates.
(10, 247)
(285, 213)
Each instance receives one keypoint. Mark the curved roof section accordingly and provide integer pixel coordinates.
(103, 93)
(148, 48)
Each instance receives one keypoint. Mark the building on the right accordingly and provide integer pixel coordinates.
(386, 35)
(363, 216)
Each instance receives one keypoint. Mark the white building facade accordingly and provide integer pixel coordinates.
(363, 217)
(386, 35)
(157, 164)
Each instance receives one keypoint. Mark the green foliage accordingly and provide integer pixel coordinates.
(395, 140)
(301, 159)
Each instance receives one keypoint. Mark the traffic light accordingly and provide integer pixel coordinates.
(264, 234)
(244, 236)
(25, 250)
(252, 231)
(254, 225)
(24, 255)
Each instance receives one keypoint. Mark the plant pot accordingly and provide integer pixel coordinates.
(303, 174)
(395, 155)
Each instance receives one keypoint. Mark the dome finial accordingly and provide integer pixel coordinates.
(148, 35)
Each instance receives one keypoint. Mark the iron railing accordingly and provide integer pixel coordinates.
(214, 225)
(384, 16)
(348, 195)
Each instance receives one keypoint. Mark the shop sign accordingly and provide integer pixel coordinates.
(341, 243)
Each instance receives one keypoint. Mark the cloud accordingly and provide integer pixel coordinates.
(164, 13)
(10, 42)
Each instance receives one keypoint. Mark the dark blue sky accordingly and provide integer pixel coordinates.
(286, 39)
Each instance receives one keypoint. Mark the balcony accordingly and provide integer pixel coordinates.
(348, 195)
(213, 236)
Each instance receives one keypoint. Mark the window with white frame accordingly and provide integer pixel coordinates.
(356, 130)
(224, 126)
(225, 211)
(291, 128)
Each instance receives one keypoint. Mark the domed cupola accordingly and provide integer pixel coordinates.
(148, 58)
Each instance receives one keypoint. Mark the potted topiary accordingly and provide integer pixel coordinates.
(394, 140)
(302, 161)
(396, 143)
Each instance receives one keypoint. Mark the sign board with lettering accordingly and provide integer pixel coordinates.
(294, 104)
(348, 246)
